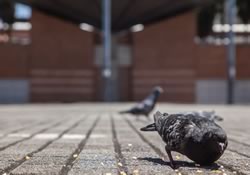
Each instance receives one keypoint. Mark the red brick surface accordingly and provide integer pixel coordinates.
(169, 46)
(163, 54)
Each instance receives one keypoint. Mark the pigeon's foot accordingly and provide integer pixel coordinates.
(172, 163)
(148, 117)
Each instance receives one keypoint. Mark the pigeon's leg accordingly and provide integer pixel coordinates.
(148, 117)
(172, 163)
(137, 117)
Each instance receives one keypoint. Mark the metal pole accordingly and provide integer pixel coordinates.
(230, 7)
(106, 71)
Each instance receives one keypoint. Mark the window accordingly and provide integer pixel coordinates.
(212, 28)
(22, 12)
(16, 31)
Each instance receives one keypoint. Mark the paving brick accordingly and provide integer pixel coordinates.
(95, 139)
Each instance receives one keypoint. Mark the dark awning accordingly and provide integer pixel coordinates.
(125, 13)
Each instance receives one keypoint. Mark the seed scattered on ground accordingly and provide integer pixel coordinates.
(216, 171)
(199, 171)
(134, 158)
(129, 144)
(136, 172)
(75, 155)
(108, 174)
(177, 157)
(119, 164)
(122, 173)
(27, 157)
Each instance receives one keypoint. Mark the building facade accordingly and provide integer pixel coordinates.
(63, 64)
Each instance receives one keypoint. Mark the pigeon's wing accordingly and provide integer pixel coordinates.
(149, 100)
(148, 104)
(145, 106)
(137, 109)
(172, 129)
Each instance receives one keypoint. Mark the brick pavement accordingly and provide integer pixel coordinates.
(95, 139)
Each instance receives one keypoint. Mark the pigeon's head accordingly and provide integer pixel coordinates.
(220, 137)
(158, 89)
(210, 148)
(217, 138)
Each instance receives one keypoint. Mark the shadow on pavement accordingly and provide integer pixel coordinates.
(159, 161)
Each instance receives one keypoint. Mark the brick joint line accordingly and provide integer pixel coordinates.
(71, 160)
(23, 128)
(117, 148)
(230, 168)
(31, 136)
(21, 161)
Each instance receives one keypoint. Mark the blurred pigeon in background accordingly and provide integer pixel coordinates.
(199, 138)
(211, 115)
(147, 105)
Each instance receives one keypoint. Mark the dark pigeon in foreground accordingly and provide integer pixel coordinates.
(199, 138)
(147, 105)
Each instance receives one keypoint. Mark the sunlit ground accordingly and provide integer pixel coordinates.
(94, 139)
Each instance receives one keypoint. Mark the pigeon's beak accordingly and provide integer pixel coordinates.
(222, 146)
(160, 89)
(150, 127)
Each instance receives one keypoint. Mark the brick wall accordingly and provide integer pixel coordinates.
(14, 61)
(59, 63)
(57, 66)
(62, 65)
(243, 62)
(168, 47)
(163, 56)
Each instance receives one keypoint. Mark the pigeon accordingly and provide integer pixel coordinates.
(147, 105)
(211, 115)
(199, 138)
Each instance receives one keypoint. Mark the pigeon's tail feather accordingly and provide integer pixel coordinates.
(150, 127)
(218, 118)
(124, 112)
(158, 115)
